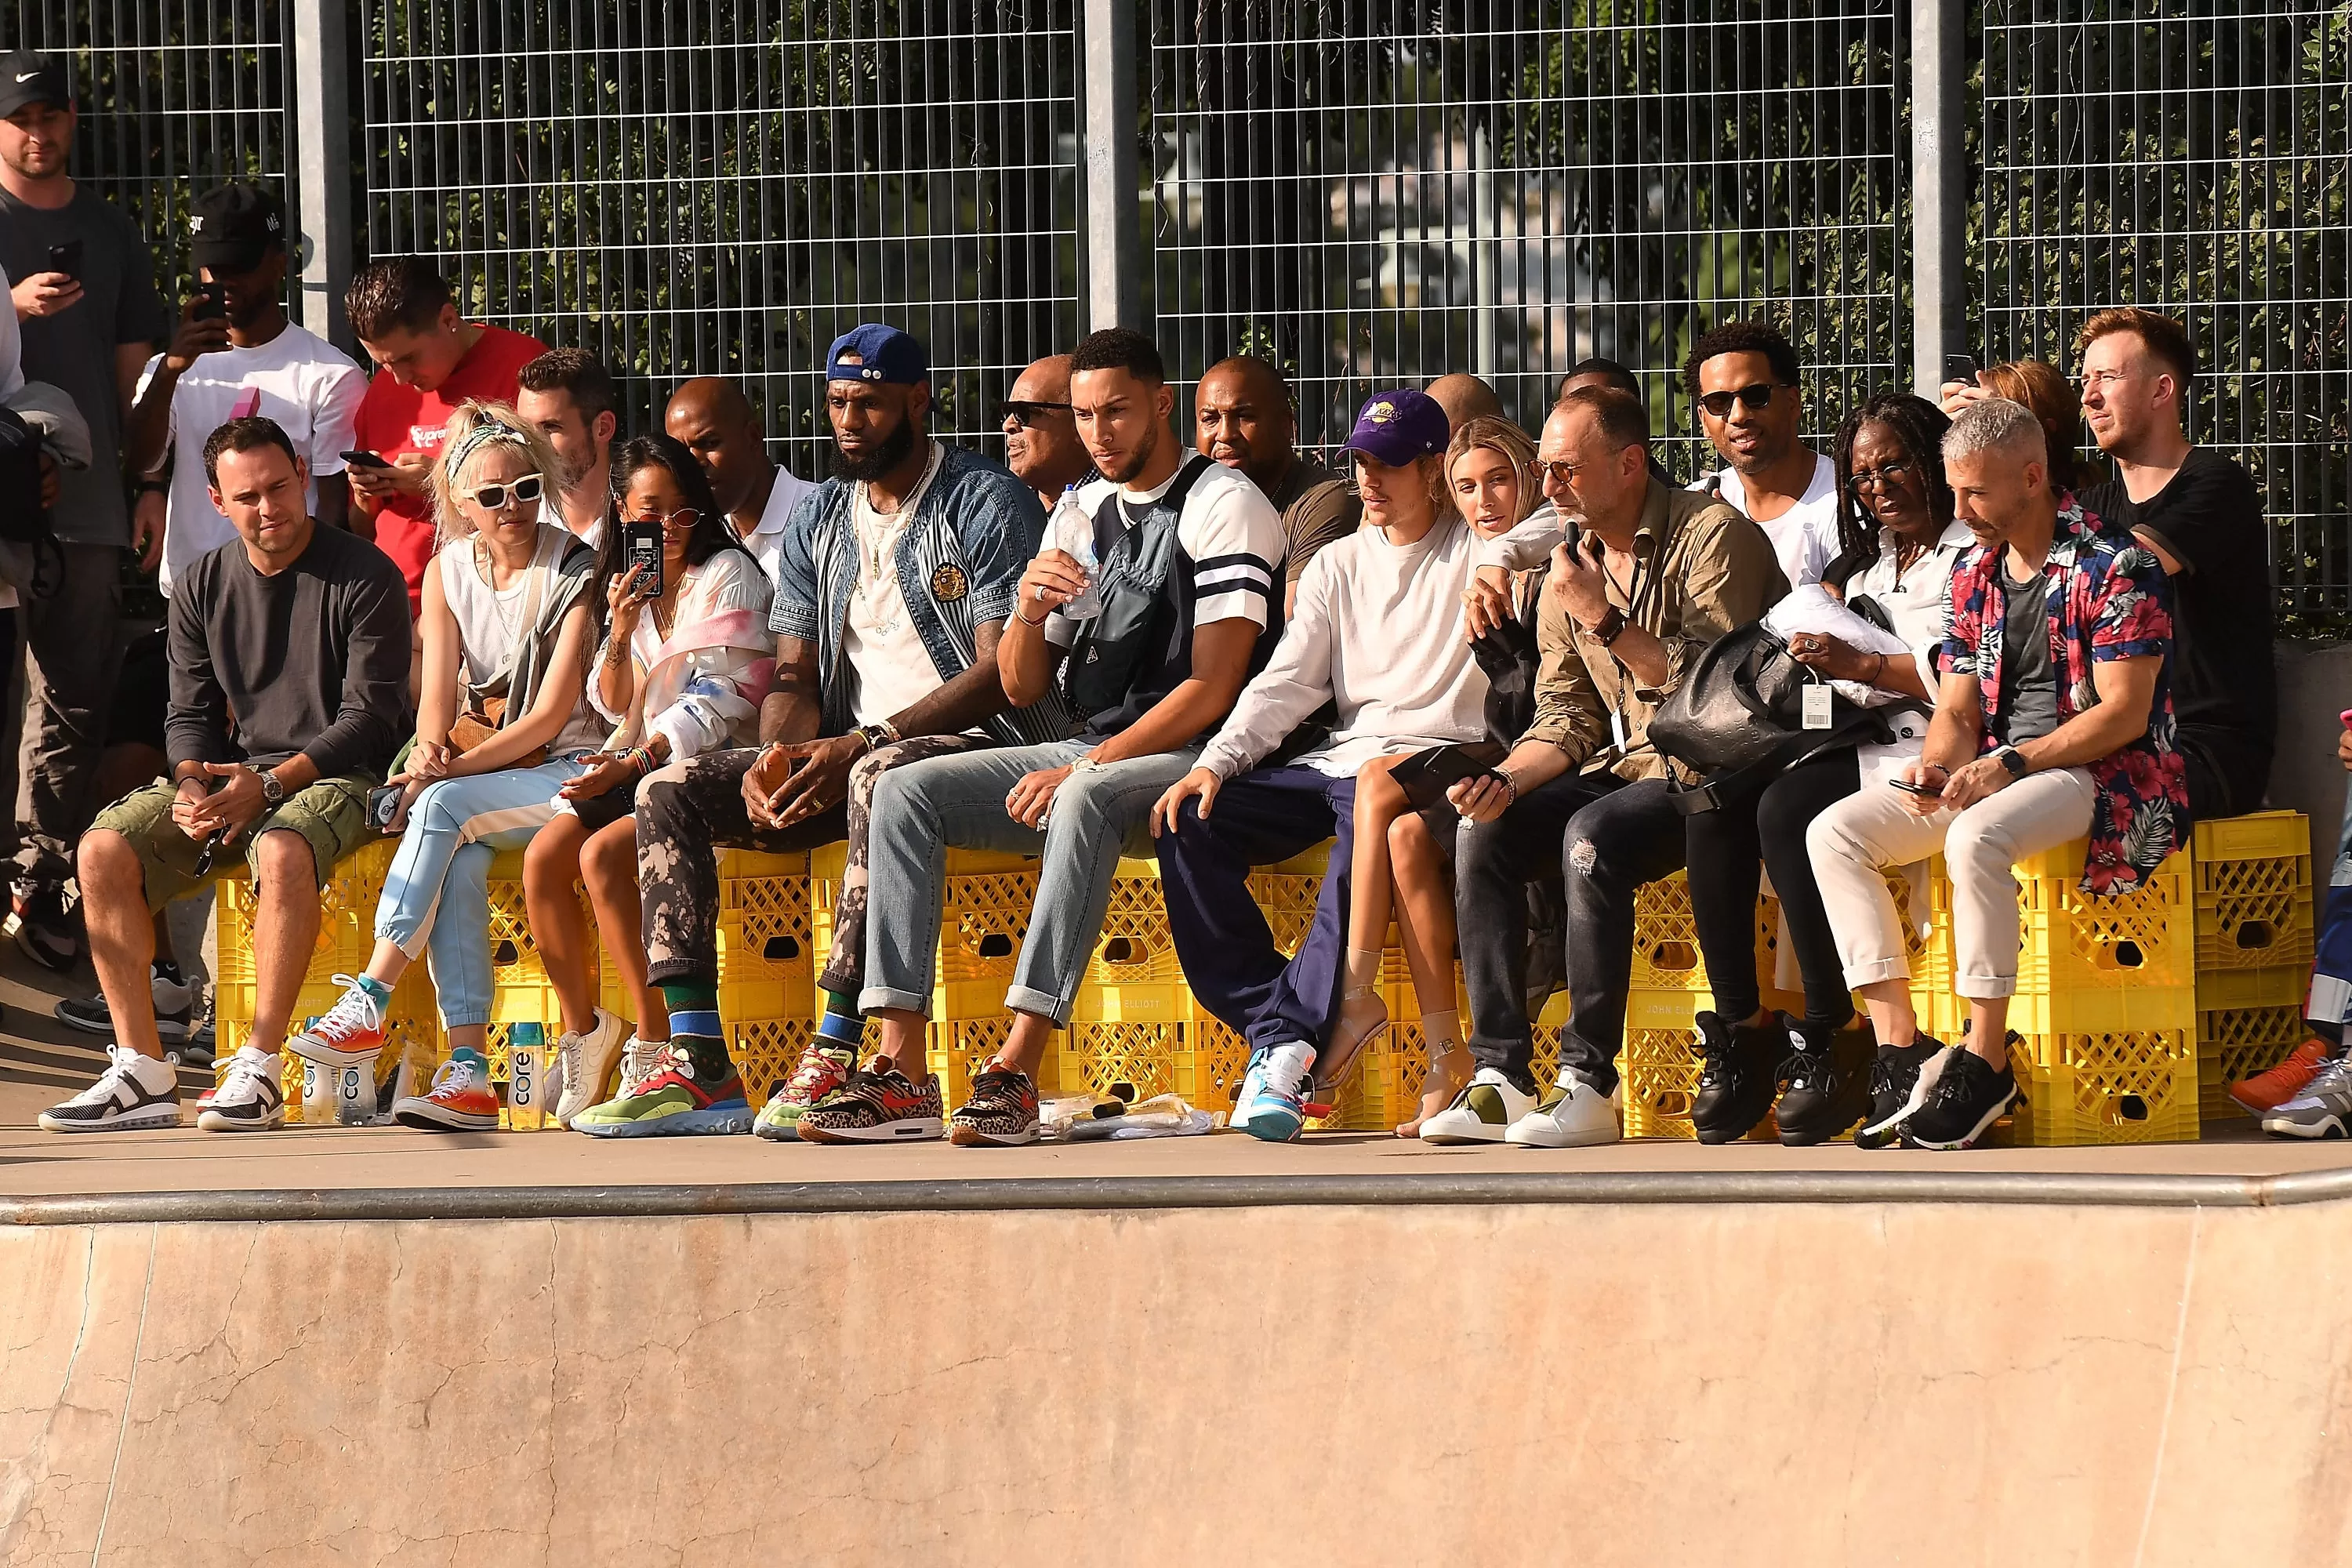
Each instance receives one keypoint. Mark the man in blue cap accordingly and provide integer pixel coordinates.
(1377, 632)
(1143, 620)
(893, 583)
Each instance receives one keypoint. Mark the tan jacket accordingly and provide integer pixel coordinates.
(1704, 569)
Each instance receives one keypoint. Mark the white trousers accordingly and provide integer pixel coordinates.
(1874, 829)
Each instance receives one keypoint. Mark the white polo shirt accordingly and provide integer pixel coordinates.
(767, 541)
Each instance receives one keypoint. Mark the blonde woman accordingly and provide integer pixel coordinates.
(502, 724)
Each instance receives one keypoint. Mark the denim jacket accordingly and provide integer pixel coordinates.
(976, 528)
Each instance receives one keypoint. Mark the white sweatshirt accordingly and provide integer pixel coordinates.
(1377, 632)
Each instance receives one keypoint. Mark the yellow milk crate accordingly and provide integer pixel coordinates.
(2253, 893)
(1202, 1062)
(767, 970)
(2075, 1012)
(1659, 1065)
(2123, 1086)
(2281, 986)
(521, 992)
(2072, 941)
(2234, 1043)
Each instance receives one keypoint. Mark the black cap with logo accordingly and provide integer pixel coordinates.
(235, 225)
(26, 77)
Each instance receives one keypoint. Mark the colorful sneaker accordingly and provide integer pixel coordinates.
(875, 1108)
(2266, 1092)
(2323, 1109)
(587, 1062)
(1000, 1113)
(247, 1098)
(1482, 1113)
(351, 1033)
(461, 1100)
(821, 1070)
(134, 1092)
(671, 1102)
(1273, 1105)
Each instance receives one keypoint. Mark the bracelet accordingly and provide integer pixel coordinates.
(1024, 620)
(1880, 671)
(1511, 784)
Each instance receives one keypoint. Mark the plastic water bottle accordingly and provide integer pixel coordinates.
(355, 1095)
(526, 1078)
(314, 1092)
(1071, 532)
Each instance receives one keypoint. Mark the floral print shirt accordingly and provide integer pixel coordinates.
(2109, 600)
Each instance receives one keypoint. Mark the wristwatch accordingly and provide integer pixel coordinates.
(2014, 761)
(273, 793)
(877, 736)
(1610, 627)
(1083, 763)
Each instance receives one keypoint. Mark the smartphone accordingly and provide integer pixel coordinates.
(365, 460)
(641, 545)
(210, 306)
(66, 258)
(384, 805)
(1924, 791)
(1961, 368)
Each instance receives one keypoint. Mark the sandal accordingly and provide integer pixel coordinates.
(1363, 1015)
(1448, 1074)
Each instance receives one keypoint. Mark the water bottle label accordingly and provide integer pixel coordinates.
(523, 1083)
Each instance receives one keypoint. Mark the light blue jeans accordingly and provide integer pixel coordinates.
(438, 894)
(923, 807)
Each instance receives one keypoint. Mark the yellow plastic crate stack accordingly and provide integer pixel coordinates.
(2105, 1004)
(2255, 934)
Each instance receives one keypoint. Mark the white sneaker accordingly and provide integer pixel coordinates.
(587, 1062)
(132, 1093)
(1574, 1115)
(1273, 1105)
(640, 1059)
(1488, 1105)
(248, 1099)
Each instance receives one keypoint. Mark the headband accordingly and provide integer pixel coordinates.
(481, 435)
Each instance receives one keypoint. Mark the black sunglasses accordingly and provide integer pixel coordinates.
(1755, 395)
(1025, 413)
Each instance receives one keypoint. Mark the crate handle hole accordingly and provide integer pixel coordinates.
(2127, 955)
(504, 953)
(781, 948)
(2256, 933)
(1122, 1092)
(2130, 1107)
(1673, 955)
(995, 945)
(1124, 950)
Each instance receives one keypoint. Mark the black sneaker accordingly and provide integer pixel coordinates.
(1827, 1072)
(134, 1092)
(176, 1006)
(1735, 1091)
(49, 933)
(1899, 1081)
(1000, 1113)
(1969, 1096)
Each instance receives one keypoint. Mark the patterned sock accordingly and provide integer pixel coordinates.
(707, 1053)
(689, 995)
(843, 1024)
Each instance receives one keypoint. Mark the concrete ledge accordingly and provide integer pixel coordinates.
(1113, 1195)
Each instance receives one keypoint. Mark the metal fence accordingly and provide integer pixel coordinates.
(1368, 191)
(174, 98)
(690, 190)
(2195, 162)
(1380, 193)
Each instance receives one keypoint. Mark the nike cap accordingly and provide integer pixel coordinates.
(29, 78)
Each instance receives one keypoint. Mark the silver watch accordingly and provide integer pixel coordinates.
(273, 793)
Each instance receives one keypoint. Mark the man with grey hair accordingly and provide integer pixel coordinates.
(2053, 721)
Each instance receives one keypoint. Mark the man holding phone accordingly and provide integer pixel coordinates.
(235, 354)
(429, 358)
(84, 293)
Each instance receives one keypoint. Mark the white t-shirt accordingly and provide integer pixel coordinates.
(307, 385)
(551, 512)
(767, 541)
(890, 668)
(1805, 536)
(12, 346)
(1377, 632)
(1230, 534)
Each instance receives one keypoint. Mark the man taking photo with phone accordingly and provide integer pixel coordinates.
(85, 304)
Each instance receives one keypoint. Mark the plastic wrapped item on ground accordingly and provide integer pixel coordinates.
(1161, 1116)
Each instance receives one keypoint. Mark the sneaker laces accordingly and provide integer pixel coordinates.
(353, 1011)
(640, 1060)
(2335, 1075)
(244, 1074)
(457, 1073)
(813, 1067)
(120, 1061)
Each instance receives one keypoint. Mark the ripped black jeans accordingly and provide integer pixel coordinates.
(1608, 838)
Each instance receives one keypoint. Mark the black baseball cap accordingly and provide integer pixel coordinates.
(235, 225)
(27, 77)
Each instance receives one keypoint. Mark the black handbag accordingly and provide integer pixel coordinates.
(1737, 720)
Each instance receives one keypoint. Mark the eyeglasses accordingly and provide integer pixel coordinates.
(684, 517)
(525, 489)
(1893, 477)
(1753, 397)
(1556, 474)
(1025, 413)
